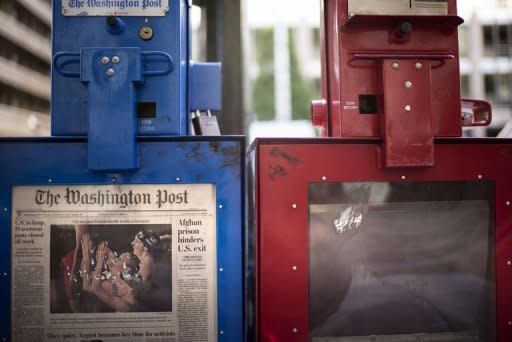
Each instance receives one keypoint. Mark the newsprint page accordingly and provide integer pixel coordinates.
(114, 263)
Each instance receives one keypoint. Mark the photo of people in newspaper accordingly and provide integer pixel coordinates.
(110, 268)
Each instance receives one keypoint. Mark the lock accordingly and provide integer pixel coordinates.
(205, 124)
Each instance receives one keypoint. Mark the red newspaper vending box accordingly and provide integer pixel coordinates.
(392, 227)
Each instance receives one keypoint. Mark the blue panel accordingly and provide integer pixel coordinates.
(189, 160)
(168, 92)
(111, 105)
(205, 89)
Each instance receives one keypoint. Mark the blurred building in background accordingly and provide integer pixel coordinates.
(486, 58)
(25, 59)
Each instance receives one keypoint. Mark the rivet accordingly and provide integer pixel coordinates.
(408, 84)
(110, 72)
(5, 274)
(114, 179)
(220, 206)
(295, 330)
(403, 177)
(50, 180)
(5, 209)
(115, 59)
(294, 268)
(479, 176)
(507, 203)
(105, 60)
(408, 108)
(419, 66)
(221, 269)
(178, 179)
(221, 332)
(294, 206)
(509, 323)
(509, 262)
(324, 178)
(395, 65)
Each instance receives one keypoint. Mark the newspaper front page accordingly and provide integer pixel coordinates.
(114, 263)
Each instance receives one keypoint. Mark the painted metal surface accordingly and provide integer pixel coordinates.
(346, 75)
(166, 89)
(281, 173)
(406, 120)
(188, 160)
(169, 92)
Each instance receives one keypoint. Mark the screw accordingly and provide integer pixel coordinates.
(5, 274)
(479, 176)
(114, 179)
(408, 84)
(50, 180)
(5, 209)
(294, 268)
(220, 206)
(295, 330)
(395, 65)
(105, 60)
(419, 66)
(110, 72)
(115, 59)
(509, 263)
(221, 269)
(178, 179)
(408, 108)
(294, 206)
(221, 332)
(324, 178)
(507, 203)
(403, 177)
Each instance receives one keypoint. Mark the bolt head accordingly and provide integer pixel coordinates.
(395, 65)
(419, 66)
(509, 263)
(295, 330)
(408, 108)
(408, 84)
(221, 269)
(294, 206)
(105, 60)
(115, 59)
(294, 268)
(110, 72)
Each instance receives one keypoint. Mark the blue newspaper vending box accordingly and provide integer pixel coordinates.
(121, 227)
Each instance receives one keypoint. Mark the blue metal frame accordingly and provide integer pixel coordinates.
(171, 36)
(183, 160)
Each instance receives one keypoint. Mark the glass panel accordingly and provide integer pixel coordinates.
(402, 262)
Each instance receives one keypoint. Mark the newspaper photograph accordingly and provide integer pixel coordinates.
(114, 263)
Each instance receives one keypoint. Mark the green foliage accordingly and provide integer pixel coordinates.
(302, 91)
(263, 87)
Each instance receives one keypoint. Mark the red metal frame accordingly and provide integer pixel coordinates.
(283, 170)
(344, 78)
